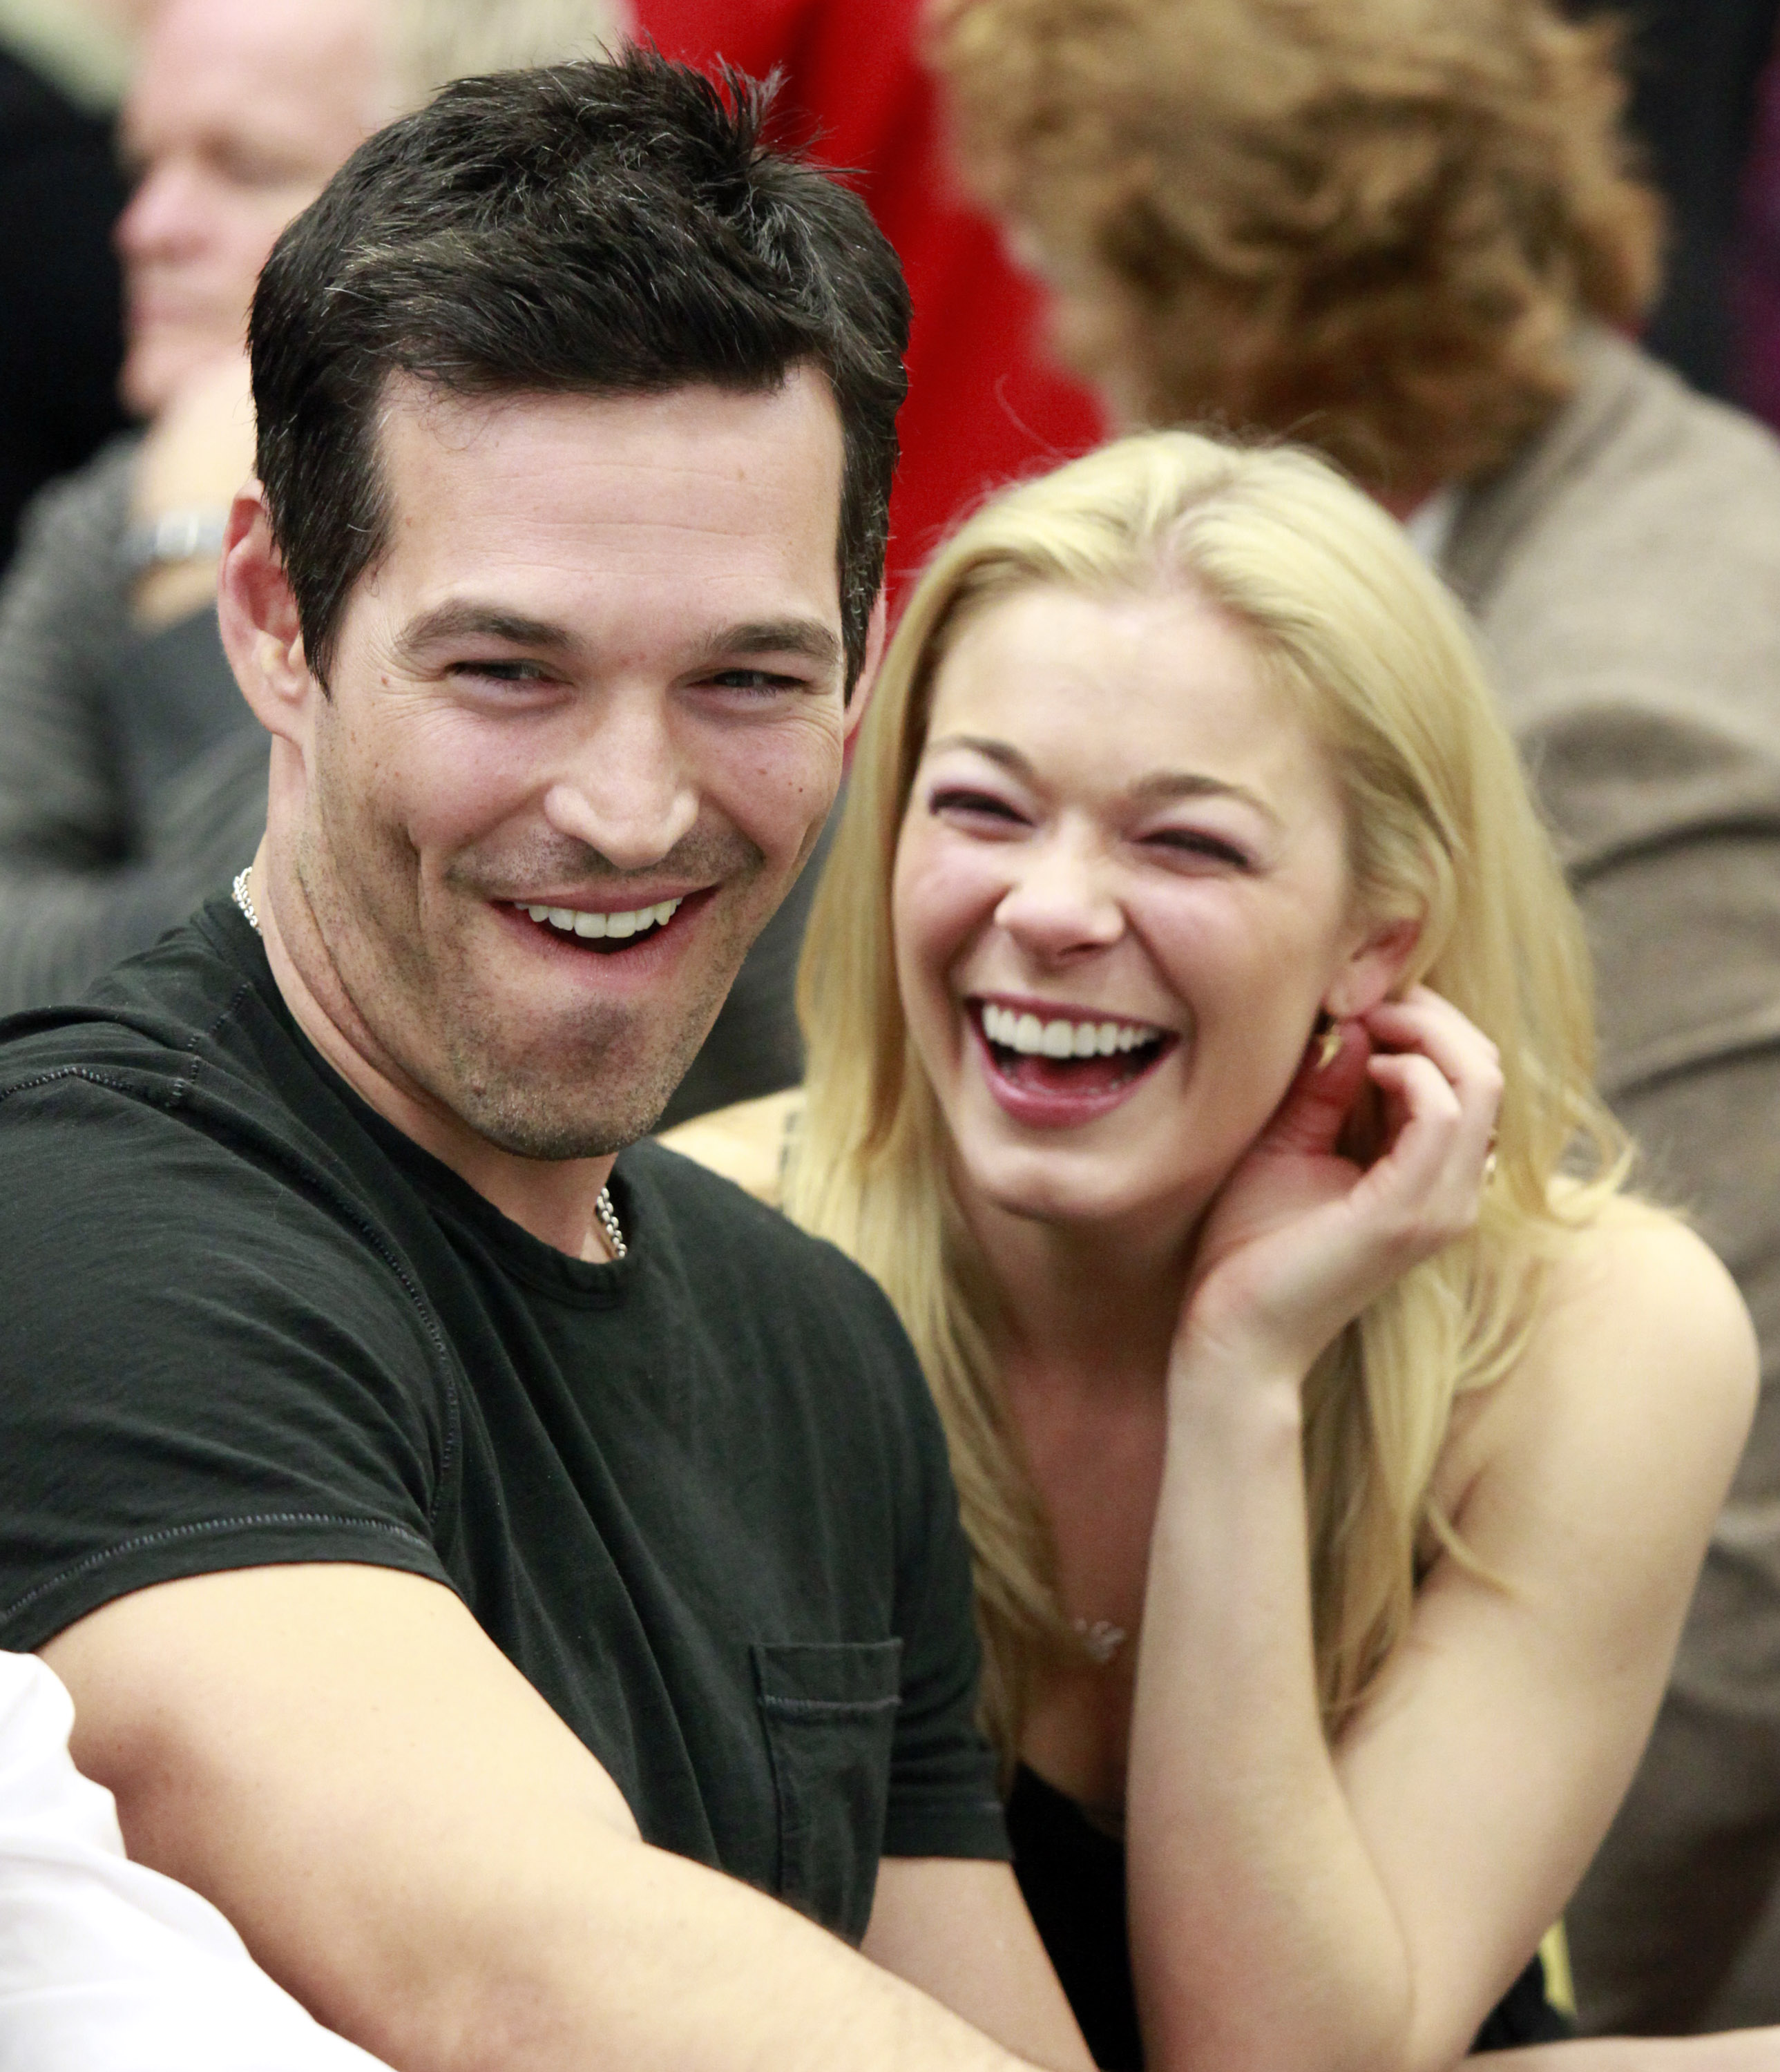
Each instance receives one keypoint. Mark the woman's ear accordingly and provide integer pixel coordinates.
(1372, 968)
(256, 614)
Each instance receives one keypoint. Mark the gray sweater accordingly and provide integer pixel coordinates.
(131, 773)
(1625, 574)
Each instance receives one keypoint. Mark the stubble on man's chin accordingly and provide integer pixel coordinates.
(532, 1109)
(534, 1101)
(537, 1108)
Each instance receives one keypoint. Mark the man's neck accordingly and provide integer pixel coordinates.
(555, 1200)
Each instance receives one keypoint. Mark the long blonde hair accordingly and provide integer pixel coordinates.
(1362, 637)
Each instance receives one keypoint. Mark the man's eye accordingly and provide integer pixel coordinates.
(761, 681)
(243, 167)
(501, 672)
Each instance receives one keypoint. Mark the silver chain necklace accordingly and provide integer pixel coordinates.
(602, 1202)
(245, 899)
(608, 1217)
(1100, 1639)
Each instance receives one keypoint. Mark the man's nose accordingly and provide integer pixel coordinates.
(165, 214)
(1063, 900)
(628, 791)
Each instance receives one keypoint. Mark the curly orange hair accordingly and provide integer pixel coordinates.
(1370, 225)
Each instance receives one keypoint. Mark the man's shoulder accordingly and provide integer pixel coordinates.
(180, 1011)
(768, 1290)
(179, 1072)
(1628, 563)
(1653, 439)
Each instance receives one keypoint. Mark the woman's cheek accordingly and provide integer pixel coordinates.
(941, 893)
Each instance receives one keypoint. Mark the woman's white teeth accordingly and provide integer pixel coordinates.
(573, 922)
(1025, 1033)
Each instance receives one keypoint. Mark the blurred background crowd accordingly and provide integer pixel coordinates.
(1491, 255)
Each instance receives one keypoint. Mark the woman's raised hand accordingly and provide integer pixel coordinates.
(1301, 1238)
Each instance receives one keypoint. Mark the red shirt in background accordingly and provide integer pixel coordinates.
(985, 403)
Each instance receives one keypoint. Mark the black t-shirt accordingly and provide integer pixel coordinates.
(697, 1496)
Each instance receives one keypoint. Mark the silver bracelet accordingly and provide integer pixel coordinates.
(192, 533)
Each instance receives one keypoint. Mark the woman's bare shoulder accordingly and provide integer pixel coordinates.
(1635, 1292)
(1641, 1361)
(745, 1143)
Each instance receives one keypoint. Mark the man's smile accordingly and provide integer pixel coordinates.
(578, 921)
(610, 933)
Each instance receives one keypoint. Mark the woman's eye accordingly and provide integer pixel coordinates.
(958, 802)
(1192, 843)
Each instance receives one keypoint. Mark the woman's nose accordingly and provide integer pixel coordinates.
(1063, 902)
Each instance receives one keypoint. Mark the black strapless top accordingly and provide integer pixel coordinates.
(1073, 1877)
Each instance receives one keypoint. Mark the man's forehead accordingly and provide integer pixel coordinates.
(663, 416)
(279, 61)
(720, 495)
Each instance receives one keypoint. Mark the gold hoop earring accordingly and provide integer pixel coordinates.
(1328, 1046)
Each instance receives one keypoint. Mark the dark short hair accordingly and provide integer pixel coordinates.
(621, 229)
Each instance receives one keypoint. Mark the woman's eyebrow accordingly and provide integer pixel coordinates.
(1009, 757)
(1161, 789)
(1167, 786)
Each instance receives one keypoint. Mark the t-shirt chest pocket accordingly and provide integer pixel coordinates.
(829, 1712)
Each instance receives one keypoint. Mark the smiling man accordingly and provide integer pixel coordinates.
(579, 730)
(525, 1594)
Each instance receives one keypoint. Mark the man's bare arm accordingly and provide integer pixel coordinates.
(960, 1931)
(411, 1841)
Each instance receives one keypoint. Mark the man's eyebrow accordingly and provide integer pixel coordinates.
(810, 638)
(462, 620)
(1161, 789)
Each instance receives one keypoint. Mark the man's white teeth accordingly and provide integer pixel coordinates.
(573, 922)
(1025, 1033)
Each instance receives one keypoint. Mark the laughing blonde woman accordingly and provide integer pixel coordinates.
(1199, 1056)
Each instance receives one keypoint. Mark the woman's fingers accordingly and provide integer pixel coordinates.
(1424, 1022)
(1428, 1179)
(1427, 1028)
(1300, 1239)
(1316, 1105)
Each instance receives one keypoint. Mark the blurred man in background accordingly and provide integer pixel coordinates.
(1403, 231)
(132, 777)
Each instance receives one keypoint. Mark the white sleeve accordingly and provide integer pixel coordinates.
(106, 1966)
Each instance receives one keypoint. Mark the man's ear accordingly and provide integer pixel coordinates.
(1373, 968)
(257, 616)
(876, 635)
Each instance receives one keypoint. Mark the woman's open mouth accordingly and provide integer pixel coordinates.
(1063, 1067)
